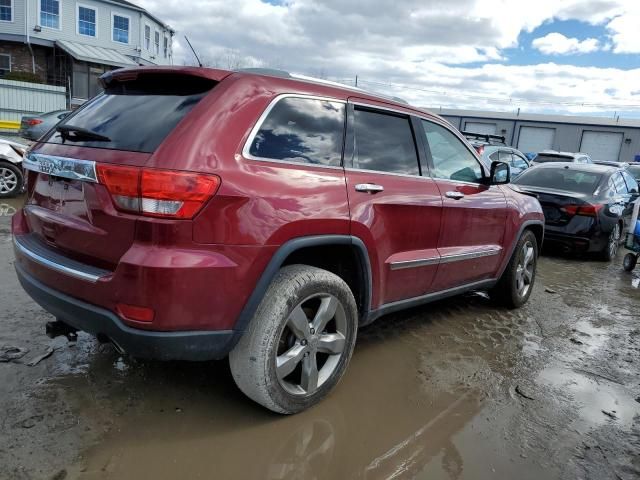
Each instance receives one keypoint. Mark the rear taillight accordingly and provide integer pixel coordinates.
(480, 149)
(586, 210)
(33, 122)
(157, 193)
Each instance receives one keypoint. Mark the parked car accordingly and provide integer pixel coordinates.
(547, 156)
(235, 224)
(517, 162)
(11, 175)
(587, 207)
(33, 127)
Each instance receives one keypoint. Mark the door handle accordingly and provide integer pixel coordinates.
(369, 188)
(454, 195)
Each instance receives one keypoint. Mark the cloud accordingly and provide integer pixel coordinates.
(449, 54)
(557, 44)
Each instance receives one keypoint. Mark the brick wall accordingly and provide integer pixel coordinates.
(21, 58)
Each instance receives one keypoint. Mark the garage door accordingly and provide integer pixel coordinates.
(535, 139)
(601, 145)
(478, 127)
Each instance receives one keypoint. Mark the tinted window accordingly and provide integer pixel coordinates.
(136, 115)
(618, 181)
(631, 182)
(451, 158)
(302, 130)
(495, 156)
(544, 158)
(505, 157)
(635, 171)
(519, 162)
(560, 179)
(384, 143)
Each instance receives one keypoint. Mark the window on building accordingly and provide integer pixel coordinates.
(156, 42)
(120, 29)
(6, 10)
(451, 159)
(147, 37)
(166, 47)
(5, 63)
(50, 13)
(384, 142)
(86, 21)
(302, 130)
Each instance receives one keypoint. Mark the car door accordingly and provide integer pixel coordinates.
(473, 215)
(626, 198)
(395, 210)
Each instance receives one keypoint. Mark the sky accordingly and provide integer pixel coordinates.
(550, 56)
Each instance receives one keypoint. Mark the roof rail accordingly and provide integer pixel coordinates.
(273, 72)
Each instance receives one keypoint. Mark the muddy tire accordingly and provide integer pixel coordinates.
(11, 180)
(611, 249)
(300, 341)
(629, 262)
(516, 284)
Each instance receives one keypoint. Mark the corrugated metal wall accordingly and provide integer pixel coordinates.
(23, 98)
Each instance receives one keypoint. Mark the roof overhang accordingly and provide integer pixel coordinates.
(95, 54)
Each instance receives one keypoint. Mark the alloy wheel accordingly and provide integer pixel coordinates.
(614, 240)
(311, 344)
(8, 180)
(525, 269)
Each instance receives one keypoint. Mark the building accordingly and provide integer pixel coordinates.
(602, 138)
(71, 43)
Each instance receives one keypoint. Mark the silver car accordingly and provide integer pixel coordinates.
(11, 175)
(33, 127)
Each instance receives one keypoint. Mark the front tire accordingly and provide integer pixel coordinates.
(299, 342)
(515, 286)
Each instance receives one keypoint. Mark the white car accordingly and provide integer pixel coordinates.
(11, 174)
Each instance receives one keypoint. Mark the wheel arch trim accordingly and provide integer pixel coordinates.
(278, 259)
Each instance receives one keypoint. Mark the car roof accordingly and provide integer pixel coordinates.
(281, 82)
(582, 167)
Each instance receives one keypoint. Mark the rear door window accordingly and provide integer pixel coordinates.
(505, 157)
(302, 130)
(135, 115)
(384, 142)
(632, 184)
(452, 160)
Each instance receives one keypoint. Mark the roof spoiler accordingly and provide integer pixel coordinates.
(484, 136)
(130, 74)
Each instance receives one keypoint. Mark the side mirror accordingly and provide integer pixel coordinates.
(500, 173)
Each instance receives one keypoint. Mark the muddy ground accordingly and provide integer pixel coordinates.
(459, 389)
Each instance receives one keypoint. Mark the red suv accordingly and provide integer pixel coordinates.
(194, 214)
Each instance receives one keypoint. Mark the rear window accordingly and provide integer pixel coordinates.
(544, 158)
(560, 179)
(135, 115)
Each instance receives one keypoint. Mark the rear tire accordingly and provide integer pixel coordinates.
(299, 342)
(629, 262)
(611, 249)
(11, 180)
(515, 286)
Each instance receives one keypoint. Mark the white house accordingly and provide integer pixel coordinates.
(72, 42)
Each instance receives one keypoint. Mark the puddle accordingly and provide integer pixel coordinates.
(593, 395)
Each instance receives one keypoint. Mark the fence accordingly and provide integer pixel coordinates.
(23, 98)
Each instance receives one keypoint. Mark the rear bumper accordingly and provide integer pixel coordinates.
(183, 345)
(577, 243)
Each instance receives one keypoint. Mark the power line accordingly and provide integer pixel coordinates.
(477, 95)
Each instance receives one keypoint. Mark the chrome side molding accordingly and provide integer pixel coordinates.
(63, 167)
(423, 262)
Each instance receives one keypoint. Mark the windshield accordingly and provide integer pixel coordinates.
(560, 179)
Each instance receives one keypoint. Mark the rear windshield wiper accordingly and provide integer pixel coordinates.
(73, 133)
